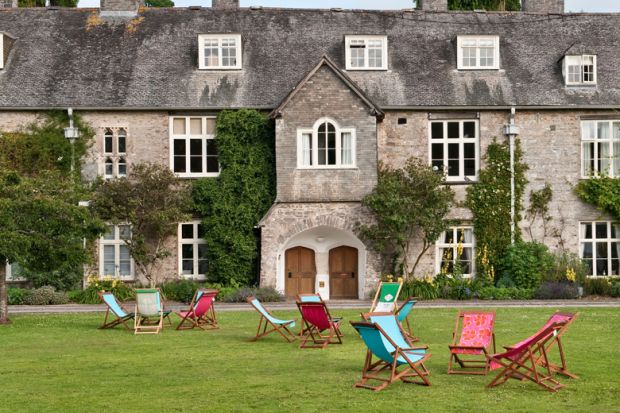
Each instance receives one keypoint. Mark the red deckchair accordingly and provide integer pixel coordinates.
(201, 312)
(521, 362)
(316, 319)
(474, 342)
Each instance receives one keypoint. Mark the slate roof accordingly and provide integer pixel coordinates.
(70, 57)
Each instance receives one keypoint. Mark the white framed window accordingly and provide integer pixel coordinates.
(454, 148)
(219, 51)
(477, 52)
(115, 151)
(1, 51)
(599, 247)
(114, 257)
(600, 148)
(192, 250)
(193, 150)
(580, 70)
(14, 272)
(366, 52)
(326, 145)
(456, 244)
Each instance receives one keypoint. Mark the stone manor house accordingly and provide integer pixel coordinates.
(347, 89)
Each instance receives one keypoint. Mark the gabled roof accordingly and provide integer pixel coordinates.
(326, 61)
(74, 58)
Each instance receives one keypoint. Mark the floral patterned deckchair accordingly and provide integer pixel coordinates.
(201, 312)
(522, 362)
(267, 319)
(470, 347)
(386, 297)
(116, 309)
(389, 356)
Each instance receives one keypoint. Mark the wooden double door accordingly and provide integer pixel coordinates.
(299, 271)
(343, 275)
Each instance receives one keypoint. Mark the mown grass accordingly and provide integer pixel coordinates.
(62, 363)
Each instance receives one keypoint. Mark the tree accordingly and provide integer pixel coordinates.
(159, 3)
(41, 3)
(490, 5)
(410, 205)
(153, 201)
(41, 225)
(237, 199)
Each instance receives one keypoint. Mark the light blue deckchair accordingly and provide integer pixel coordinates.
(281, 326)
(403, 316)
(116, 309)
(387, 342)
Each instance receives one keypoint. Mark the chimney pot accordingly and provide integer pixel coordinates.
(225, 4)
(542, 6)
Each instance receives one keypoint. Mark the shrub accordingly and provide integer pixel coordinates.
(62, 280)
(505, 293)
(526, 263)
(45, 295)
(16, 295)
(422, 288)
(567, 267)
(597, 286)
(553, 290)
(89, 295)
(614, 291)
(505, 282)
(179, 290)
(455, 287)
(264, 294)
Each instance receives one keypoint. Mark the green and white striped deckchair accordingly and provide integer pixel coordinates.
(149, 314)
(386, 297)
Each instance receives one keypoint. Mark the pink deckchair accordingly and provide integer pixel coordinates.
(566, 319)
(521, 362)
(470, 348)
(201, 312)
(316, 319)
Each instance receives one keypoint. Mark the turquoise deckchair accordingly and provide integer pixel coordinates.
(266, 319)
(114, 308)
(387, 342)
(402, 315)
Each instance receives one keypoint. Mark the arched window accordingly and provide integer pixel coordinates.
(122, 141)
(122, 167)
(109, 169)
(326, 146)
(108, 141)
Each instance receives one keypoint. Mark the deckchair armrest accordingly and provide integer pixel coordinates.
(509, 347)
(415, 348)
(468, 347)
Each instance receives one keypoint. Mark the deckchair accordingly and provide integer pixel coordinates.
(266, 319)
(386, 297)
(312, 298)
(522, 362)
(470, 348)
(386, 341)
(149, 318)
(557, 317)
(114, 308)
(201, 311)
(316, 319)
(402, 315)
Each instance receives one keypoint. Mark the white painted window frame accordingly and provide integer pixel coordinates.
(608, 240)
(440, 244)
(115, 155)
(116, 243)
(566, 65)
(315, 157)
(366, 38)
(1, 51)
(477, 38)
(8, 271)
(219, 38)
(195, 242)
(461, 141)
(611, 158)
(204, 137)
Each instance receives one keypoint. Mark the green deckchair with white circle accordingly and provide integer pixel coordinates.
(386, 297)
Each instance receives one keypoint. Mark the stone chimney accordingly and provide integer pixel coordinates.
(120, 8)
(432, 5)
(542, 6)
(8, 4)
(225, 4)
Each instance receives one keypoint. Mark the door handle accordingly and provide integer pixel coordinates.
(290, 274)
(352, 274)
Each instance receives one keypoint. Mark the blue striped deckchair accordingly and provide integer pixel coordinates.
(266, 319)
(403, 316)
(114, 308)
(395, 357)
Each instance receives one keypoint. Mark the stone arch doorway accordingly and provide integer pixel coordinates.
(300, 271)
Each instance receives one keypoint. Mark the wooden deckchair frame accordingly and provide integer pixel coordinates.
(470, 363)
(313, 333)
(118, 320)
(145, 324)
(408, 330)
(207, 321)
(375, 300)
(378, 369)
(525, 365)
(302, 329)
(264, 323)
(562, 368)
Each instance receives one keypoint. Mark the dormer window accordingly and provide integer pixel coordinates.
(580, 70)
(366, 52)
(219, 51)
(477, 52)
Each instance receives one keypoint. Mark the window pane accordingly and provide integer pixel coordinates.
(453, 130)
(322, 145)
(469, 129)
(213, 165)
(601, 230)
(195, 150)
(187, 266)
(122, 141)
(122, 167)
(109, 168)
(346, 149)
(124, 232)
(187, 251)
(586, 230)
(229, 52)
(178, 126)
(195, 126)
(108, 141)
(437, 130)
(109, 233)
(306, 149)
(187, 231)
(210, 126)
(331, 146)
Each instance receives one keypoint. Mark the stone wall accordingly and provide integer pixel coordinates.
(325, 95)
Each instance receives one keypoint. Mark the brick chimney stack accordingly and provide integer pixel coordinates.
(432, 5)
(542, 6)
(225, 4)
(120, 8)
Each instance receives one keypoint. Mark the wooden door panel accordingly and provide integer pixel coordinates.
(343, 275)
(299, 271)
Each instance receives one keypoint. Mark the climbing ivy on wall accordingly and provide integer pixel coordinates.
(233, 203)
(489, 201)
(601, 191)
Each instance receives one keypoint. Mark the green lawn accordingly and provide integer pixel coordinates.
(63, 363)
